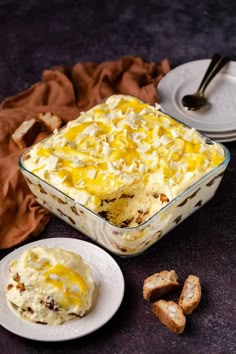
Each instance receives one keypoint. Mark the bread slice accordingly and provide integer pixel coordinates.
(159, 284)
(26, 133)
(50, 121)
(191, 294)
(170, 314)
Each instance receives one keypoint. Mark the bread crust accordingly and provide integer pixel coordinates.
(26, 133)
(159, 284)
(170, 314)
(191, 294)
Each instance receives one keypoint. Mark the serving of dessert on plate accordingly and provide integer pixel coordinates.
(58, 289)
(50, 285)
(124, 173)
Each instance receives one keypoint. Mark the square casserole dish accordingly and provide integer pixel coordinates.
(128, 240)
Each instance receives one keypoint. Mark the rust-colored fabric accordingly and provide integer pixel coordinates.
(65, 92)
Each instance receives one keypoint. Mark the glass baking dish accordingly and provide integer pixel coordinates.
(126, 241)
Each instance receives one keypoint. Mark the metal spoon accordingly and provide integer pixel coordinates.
(198, 100)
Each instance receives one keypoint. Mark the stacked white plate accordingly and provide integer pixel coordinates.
(217, 120)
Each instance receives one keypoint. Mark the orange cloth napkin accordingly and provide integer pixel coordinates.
(65, 92)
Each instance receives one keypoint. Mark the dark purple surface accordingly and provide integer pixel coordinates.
(39, 34)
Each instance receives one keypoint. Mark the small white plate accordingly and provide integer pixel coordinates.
(220, 115)
(221, 135)
(224, 140)
(221, 139)
(108, 294)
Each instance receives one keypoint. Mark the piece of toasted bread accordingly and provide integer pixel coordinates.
(191, 294)
(159, 284)
(26, 133)
(50, 121)
(170, 314)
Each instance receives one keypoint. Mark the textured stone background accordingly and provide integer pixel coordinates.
(35, 35)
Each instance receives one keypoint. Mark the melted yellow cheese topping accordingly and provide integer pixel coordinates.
(119, 144)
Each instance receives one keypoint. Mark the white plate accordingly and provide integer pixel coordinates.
(108, 294)
(223, 140)
(221, 135)
(220, 116)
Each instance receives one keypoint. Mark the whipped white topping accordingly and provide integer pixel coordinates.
(123, 147)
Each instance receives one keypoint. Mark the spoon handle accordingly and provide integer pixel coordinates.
(215, 66)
